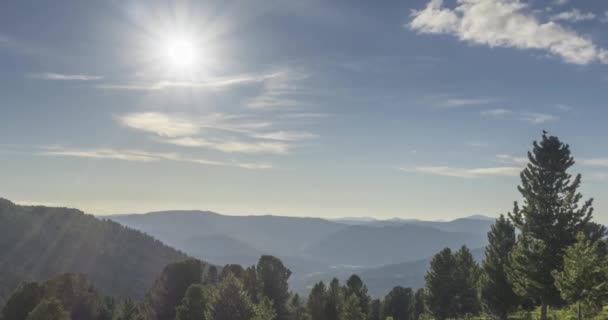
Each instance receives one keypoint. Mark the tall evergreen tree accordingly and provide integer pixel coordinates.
(354, 285)
(466, 283)
(264, 310)
(231, 301)
(250, 282)
(584, 278)
(317, 299)
(375, 310)
(335, 301)
(419, 307)
(297, 309)
(272, 277)
(399, 304)
(352, 308)
(497, 293)
(127, 311)
(439, 285)
(551, 216)
(195, 305)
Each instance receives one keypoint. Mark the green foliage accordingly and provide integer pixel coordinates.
(352, 308)
(335, 301)
(231, 301)
(22, 301)
(264, 310)
(549, 219)
(466, 280)
(272, 277)
(354, 285)
(127, 311)
(399, 304)
(170, 287)
(297, 310)
(37, 243)
(195, 305)
(439, 288)
(375, 311)
(497, 293)
(584, 278)
(419, 307)
(317, 299)
(48, 309)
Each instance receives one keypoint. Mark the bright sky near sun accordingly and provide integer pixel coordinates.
(413, 109)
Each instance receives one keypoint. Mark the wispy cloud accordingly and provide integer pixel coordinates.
(465, 172)
(530, 117)
(465, 102)
(63, 77)
(179, 125)
(505, 23)
(286, 136)
(230, 146)
(510, 159)
(573, 15)
(280, 92)
(213, 83)
(597, 162)
(140, 156)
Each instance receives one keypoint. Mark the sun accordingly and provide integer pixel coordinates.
(181, 52)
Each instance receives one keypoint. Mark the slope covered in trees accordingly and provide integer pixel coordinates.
(37, 243)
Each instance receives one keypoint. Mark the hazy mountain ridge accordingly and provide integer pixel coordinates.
(37, 243)
(313, 248)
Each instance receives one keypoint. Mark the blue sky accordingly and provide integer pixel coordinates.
(413, 109)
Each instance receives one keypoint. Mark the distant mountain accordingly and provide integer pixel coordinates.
(282, 236)
(314, 249)
(370, 246)
(37, 243)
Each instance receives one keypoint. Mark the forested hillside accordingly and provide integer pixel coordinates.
(38, 242)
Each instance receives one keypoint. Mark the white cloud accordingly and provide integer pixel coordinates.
(509, 159)
(465, 172)
(505, 23)
(530, 117)
(596, 162)
(161, 124)
(464, 102)
(279, 92)
(574, 15)
(140, 156)
(213, 83)
(286, 136)
(64, 77)
(561, 2)
(231, 146)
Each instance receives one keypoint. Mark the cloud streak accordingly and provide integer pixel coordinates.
(133, 155)
(230, 146)
(469, 173)
(508, 24)
(64, 77)
(530, 117)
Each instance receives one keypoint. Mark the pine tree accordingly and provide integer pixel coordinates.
(49, 309)
(419, 304)
(335, 301)
(584, 278)
(399, 304)
(352, 308)
(231, 301)
(549, 219)
(497, 292)
(297, 310)
(264, 310)
(317, 299)
(466, 282)
(195, 304)
(375, 310)
(273, 277)
(127, 311)
(439, 285)
(354, 285)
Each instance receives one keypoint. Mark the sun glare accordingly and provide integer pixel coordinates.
(181, 53)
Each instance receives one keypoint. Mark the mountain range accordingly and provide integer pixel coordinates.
(313, 248)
